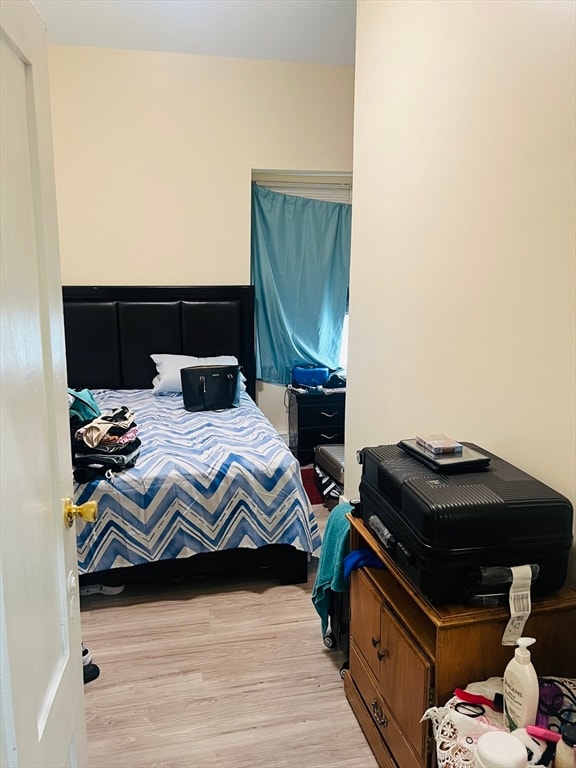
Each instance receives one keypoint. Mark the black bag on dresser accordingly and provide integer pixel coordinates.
(455, 535)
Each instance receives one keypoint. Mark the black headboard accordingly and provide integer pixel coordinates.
(111, 331)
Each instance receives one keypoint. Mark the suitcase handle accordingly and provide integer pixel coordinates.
(502, 574)
(381, 531)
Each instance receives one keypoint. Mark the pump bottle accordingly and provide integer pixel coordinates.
(520, 687)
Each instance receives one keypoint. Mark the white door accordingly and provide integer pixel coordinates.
(41, 687)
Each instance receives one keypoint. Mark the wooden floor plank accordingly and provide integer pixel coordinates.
(212, 674)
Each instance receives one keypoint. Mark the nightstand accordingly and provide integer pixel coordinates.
(314, 418)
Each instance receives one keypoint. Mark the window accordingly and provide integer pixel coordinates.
(332, 187)
(300, 269)
(344, 345)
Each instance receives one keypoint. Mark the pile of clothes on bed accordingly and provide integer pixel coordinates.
(102, 442)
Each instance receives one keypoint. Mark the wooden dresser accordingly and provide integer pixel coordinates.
(407, 655)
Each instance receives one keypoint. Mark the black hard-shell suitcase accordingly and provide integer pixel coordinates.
(338, 635)
(456, 536)
(339, 614)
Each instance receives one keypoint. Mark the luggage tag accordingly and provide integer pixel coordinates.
(520, 603)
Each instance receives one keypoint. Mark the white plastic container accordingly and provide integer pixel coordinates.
(499, 749)
(566, 748)
(520, 687)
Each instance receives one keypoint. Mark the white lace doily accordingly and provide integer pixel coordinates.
(456, 734)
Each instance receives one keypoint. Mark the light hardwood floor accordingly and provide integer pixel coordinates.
(210, 674)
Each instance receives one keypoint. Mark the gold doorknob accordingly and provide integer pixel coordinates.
(87, 512)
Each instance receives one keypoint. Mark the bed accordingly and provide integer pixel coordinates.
(211, 492)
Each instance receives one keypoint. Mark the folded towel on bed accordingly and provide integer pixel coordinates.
(330, 574)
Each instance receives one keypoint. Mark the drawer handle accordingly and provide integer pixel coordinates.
(328, 437)
(383, 654)
(329, 415)
(378, 715)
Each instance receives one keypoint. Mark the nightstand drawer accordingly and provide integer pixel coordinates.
(308, 438)
(321, 414)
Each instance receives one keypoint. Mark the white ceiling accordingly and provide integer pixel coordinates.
(308, 31)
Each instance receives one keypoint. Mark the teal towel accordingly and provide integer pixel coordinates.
(330, 574)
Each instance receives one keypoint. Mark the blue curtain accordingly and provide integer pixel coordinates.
(300, 271)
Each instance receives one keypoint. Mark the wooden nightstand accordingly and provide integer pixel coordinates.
(314, 418)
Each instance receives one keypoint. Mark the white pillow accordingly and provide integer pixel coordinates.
(168, 367)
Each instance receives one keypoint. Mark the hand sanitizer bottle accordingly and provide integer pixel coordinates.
(520, 687)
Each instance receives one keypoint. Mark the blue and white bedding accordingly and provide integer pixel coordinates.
(203, 482)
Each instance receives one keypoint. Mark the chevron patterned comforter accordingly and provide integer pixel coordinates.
(203, 482)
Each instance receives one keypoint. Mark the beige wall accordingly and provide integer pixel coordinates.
(462, 308)
(154, 154)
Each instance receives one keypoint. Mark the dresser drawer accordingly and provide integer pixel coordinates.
(381, 715)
